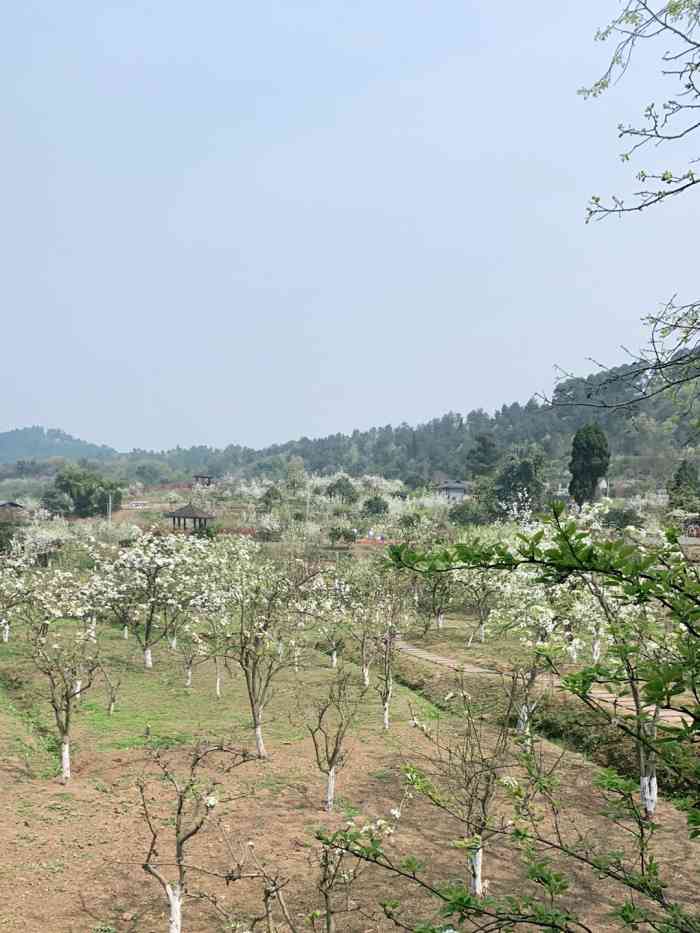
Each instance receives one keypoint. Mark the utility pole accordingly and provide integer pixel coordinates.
(306, 519)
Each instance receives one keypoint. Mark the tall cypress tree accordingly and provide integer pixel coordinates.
(590, 457)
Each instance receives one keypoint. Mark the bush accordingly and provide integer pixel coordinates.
(622, 518)
(337, 533)
(469, 513)
(375, 506)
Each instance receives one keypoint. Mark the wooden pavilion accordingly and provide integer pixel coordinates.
(187, 513)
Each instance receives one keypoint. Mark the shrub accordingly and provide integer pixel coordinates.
(375, 506)
(469, 513)
(622, 518)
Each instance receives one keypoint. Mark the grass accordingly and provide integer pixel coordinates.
(154, 707)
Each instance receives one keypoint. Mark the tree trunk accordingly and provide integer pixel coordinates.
(440, 619)
(365, 675)
(482, 631)
(649, 794)
(77, 687)
(125, 631)
(175, 900)
(386, 715)
(330, 919)
(92, 631)
(330, 791)
(173, 643)
(110, 708)
(334, 658)
(65, 759)
(5, 630)
(476, 886)
(147, 658)
(648, 787)
(188, 674)
(596, 649)
(524, 717)
(259, 743)
(218, 677)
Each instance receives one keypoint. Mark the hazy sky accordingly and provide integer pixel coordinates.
(246, 222)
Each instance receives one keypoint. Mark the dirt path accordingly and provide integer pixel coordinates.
(624, 704)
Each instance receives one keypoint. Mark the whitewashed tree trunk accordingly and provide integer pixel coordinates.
(175, 900)
(648, 787)
(77, 687)
(596, 649)
(365, 675)
(389, 689)
(92, 630)
(173, 643)
(330, 790)
(110, 708)
(217, 664)
(65, 759)
(5, 630)
(334, 658)
(259, 743)
(525, 718)
(476, 885)
(296, 659)
(482, 632)
(125, 631)
(147, 658)
(649, 793)
(188, 674)
(440, 619)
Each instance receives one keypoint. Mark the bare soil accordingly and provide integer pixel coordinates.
(70, 857)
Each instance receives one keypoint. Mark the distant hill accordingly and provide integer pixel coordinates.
(38, 443)
(645, 440)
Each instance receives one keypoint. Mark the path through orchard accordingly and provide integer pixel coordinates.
(623, 704)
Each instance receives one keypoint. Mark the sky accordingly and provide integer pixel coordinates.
(228, 222)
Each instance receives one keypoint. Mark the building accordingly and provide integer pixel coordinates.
(453, 491)
(12, 512)
(203, 479)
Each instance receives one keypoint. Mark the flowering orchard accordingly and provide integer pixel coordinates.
(263, 642)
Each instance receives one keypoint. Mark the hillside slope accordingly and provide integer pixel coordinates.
(37, 443)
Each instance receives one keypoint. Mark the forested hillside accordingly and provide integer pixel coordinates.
(645, 440)
(38, 443)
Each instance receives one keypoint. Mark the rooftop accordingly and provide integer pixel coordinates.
(189, 511)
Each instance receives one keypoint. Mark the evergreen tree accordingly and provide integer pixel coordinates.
(520, 479)
(684, 488)
(483, 456)
(590, 456)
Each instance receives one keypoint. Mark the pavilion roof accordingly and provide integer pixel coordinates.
(189, 511)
